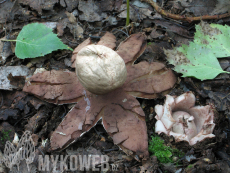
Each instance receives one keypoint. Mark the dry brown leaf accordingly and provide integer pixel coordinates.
(39, 5)
(69, 4)
(199, 8)
(222, 6)
(136, 14)
(8, 73)
(108, 40)
(91, 12)
(71, 17)
(78, 48)
(131, 48)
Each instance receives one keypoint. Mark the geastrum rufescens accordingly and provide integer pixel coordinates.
(180, 118)
(121, 114)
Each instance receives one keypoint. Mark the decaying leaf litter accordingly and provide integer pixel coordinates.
(21, 111)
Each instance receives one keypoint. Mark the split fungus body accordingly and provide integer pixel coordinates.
(100, 69)
(180, 118)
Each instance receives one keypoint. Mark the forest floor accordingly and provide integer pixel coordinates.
(74, 21)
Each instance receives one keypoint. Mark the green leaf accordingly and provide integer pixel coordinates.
(199, 58)
(36, 40)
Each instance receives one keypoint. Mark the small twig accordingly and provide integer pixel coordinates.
(96, 137)
(41, 152)
(70, 40)
(3, 1)
(127, 9)
(64, 114)
(62, 57)
(184, 18)
(120, 31)
(159, 170)
(95, 37)
(98, 133)
(225, 96)
(112, 149)
(9, 40)
(1, 100)
(23, 118)
(190, 152)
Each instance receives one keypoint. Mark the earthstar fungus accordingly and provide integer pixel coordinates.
(100, 69)
(121, 114)
(180, 118)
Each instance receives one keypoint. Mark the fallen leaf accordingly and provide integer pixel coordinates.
(136, 13)
(39, 5)
(91, 12)
(199, 8)
(71, 17)
(36, 40)
(199, 58)
(68, 62)
(140, 4)
(169, 27)
(61, 26)
(221, 7)
(17, 81)
(12, 103)
(14, 71)
(6, 113)
(106, 5)
(78, 48)
(221, 100)
(6, 127)
(154, 34)
(151, 165)
(5, 49)
(131, 48)
(69, 4)
(112, 20)
(4, 12)
(36, 122)
(154, 51)
(118, 4)
(2, 165)
(37, 103)
(76, 30)
(51, 25)
(108, 40)
(201, 165)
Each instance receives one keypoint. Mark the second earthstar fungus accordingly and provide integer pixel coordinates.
(180, 118)
(121, 114)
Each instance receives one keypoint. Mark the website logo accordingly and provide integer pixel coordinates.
(53, 163)
(25, 150)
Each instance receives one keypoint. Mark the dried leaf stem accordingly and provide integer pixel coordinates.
(127, 17)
